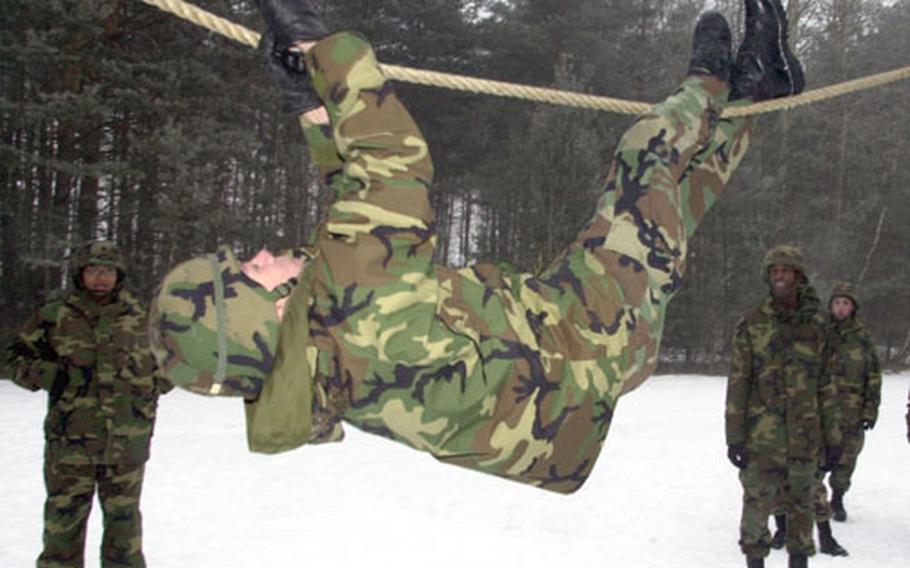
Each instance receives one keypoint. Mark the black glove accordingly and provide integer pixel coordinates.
(288, 70)
(832, 458)
(292, 21)
(736, 453)
(867, 423)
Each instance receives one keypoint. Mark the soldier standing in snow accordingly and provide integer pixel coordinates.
(852, 363)
(90, 352)
(781, 422)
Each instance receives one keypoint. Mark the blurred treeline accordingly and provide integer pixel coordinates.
(121, 121)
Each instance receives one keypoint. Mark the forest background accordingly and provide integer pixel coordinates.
(120, 121)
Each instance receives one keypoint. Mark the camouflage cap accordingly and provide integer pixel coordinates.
(213, 329)
(785, 255)
(102, 252)
(845, 290)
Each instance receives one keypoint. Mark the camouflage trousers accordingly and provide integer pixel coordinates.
(840, 476)
(513, 374)
(70, 491)
(778, 488)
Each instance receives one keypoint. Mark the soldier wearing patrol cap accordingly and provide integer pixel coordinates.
(89, 351)
(517, 375)
(781, 422)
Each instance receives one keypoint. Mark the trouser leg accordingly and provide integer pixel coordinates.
(799, 493)
(667, 171)
(70, 490)
(119, 490)
(843, 472)
(762, 492)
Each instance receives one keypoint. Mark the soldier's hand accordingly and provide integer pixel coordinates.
(287, 68)
(867, 424)
(292, 21)
(736, 453)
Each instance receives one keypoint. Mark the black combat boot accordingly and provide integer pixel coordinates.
(826, 542)
(837, 505)
(780, 535)
(765, 68)
(798, 561)
(712, 49)
(292, 21)
(753, 562)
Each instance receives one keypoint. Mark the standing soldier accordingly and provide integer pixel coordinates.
(779, 405)
(89, 351)
(853, 365)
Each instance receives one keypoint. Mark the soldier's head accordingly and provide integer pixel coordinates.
(784, 271)
(97, 268)
(214, 321)
(844, 301)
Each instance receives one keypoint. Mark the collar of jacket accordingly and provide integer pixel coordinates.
(846, 325)
(806, 309)
(121, 302)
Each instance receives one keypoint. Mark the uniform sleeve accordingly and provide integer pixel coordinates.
(322, 148)
(738, 384)
(873, 392)
(32, 362)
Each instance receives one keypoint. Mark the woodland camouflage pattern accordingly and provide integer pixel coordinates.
(70, 491)
(852, 363)
(513, 374)
(94, 362)
(186, 309)
(784, 411)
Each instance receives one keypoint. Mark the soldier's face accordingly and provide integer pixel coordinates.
(841, 307)
(783, 281)
(99, 279)
(271, 271)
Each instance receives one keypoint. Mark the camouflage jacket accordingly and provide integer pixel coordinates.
(93, 360)
(779, 403)
(852, 363)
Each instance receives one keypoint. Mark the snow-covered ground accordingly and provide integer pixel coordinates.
(662, 495)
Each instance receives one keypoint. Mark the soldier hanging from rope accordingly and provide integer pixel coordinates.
(518, 375)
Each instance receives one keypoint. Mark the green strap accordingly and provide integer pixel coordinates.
(218, 284)
(284, 289)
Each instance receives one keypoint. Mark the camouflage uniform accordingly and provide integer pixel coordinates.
(852, 362)
(93, 360)
(782, 410)
(513, 374)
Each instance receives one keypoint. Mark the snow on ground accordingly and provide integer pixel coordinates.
(661, 495)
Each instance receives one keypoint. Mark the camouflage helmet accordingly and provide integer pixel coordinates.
(845, 290)
(102, 252)
(212, 328)
(785, 255)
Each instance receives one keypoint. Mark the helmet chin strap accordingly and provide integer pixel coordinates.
(284, 289)
(218, 285)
